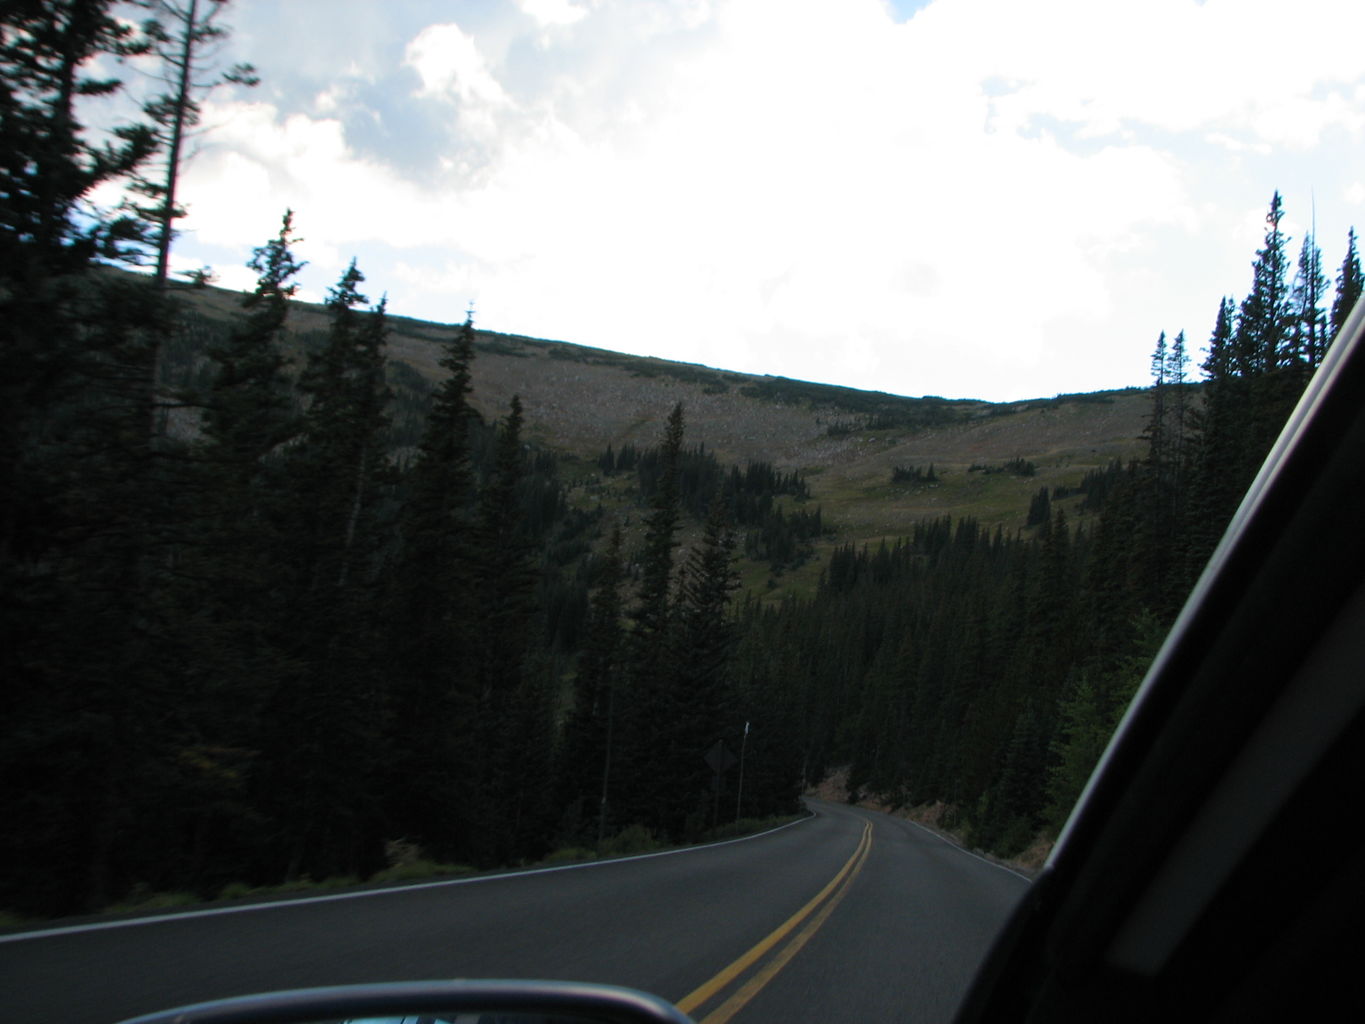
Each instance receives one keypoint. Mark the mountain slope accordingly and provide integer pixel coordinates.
(578, 400)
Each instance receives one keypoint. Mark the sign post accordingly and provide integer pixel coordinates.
(739, 792)
(721, 760)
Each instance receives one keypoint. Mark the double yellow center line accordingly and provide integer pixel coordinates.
(818, 909)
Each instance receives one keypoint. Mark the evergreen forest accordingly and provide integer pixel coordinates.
(271, 613)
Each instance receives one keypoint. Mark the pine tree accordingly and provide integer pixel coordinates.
(1156, 422)
(1349, 281)
(45, 248)
(1218, 441)
(248, 412)
(652, 611)
(649, 709)
(430, 616)
(1085, 731)
(45, 49)
(1261, 335)
(511, 705)
(340, 456)
(1176, 377)
(1160, 490)
(1308, 339)
(228, 569)
(705, 650)
(324, 727)
(1218, 365)
(83, 639)
(1039, 508)
(183, 37)
(585, 764)
(503, 574)
(1261, 394)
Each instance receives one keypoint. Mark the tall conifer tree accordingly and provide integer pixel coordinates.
(1177, 413)
(1349, 281)
(80, 544)
(1261, 334)
(229, 572)
(706, 646)
(1156, 422)
(510, 721)
(650, 709)
(183, 36)
(430, 623)
(585, 766)
(324, 718)
(1308, 320)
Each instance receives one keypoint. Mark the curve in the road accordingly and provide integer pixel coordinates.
(295, 901)
(822, 905)
(852, 915)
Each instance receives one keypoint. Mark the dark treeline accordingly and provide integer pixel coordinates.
(1015, 467)
(656, 687)
(781, 536)
(700, 476)
(1094, 487)
(913, 475)
(242, 642)
(985, 670)
(221, 650)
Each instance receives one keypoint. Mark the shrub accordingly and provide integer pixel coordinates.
(416, 870)
(567, 855)
(142, 898)
(748, 826)
(631, 839)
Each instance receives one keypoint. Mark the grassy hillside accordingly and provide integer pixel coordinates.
(579, 399)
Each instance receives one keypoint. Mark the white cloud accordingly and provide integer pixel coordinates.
(993, 198)
(450, 64)
(1246, 70)
(552, 12)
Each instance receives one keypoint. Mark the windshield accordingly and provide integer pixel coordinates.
(655, 494)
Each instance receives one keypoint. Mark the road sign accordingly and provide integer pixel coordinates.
(719, 758)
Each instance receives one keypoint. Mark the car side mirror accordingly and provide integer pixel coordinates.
(437, 1002)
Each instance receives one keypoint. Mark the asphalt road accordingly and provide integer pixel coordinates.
(850, 915)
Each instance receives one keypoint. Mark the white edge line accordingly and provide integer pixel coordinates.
(945, 841)
(98, 926)
(969, 853)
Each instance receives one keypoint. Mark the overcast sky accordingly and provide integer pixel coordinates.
(971, 198)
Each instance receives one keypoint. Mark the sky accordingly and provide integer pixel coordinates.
(996, 199)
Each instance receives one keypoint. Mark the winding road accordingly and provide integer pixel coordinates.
(849, 915)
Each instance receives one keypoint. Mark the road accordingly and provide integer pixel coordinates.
(848, 915)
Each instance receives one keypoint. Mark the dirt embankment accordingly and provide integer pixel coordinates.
(834, 788)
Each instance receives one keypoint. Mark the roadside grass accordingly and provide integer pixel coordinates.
(748, 826)
(567, 855)
(142, 898)
(633, 839)
(420, 870)
(636, 839)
